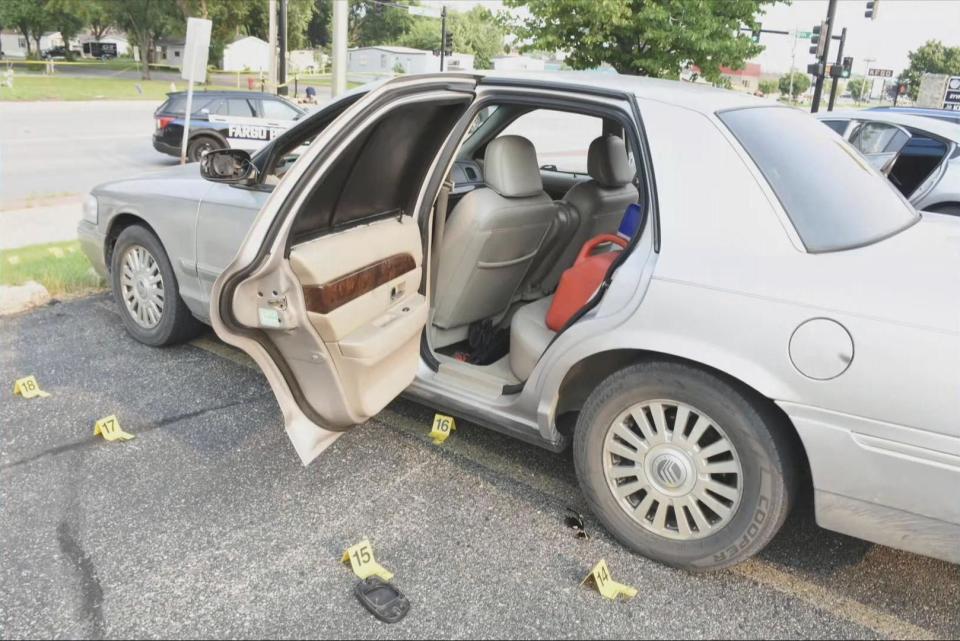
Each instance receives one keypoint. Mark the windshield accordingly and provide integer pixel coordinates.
(831, 194)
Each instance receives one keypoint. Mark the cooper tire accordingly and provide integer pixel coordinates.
(763, 445)
(176, 324)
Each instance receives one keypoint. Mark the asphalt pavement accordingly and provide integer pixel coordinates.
(206, 524)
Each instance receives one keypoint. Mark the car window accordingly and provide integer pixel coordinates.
(178, 104)
(831, 194)
(235, 107)
(839, 126)
(560, 138)
(878, 138)
(276, 110)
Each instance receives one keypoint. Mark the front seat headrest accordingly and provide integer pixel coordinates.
(607, 162)
(510, 167)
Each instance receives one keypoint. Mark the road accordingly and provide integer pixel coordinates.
(206, 524)
(59, 148)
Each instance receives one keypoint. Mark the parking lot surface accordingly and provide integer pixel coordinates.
(207, 525)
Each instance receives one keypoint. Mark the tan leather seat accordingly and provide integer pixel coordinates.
(492, 236)
(529, 336)
(600, 204)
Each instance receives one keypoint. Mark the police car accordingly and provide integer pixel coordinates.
(222, 119)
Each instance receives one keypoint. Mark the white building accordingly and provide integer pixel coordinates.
(389, 59)
(170, 52)
(518, 63)
(14, 45)
(307, 61)
(247, 54)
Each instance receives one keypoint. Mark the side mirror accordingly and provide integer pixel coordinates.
(228, 166)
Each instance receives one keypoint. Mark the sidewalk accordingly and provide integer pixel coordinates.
(51, 221)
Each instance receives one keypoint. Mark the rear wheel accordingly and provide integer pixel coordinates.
(682, 467)
(145, 289)
(200, 145)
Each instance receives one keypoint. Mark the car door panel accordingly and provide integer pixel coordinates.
(324, 293)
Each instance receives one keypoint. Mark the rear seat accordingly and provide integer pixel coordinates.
(529, 336)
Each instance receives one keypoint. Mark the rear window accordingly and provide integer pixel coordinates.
(831, 194)
(178, 104)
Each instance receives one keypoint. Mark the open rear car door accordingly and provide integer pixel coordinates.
(326, 293)
(880, 143)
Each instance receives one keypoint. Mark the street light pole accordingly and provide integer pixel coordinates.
(339, 49)
(818, 90)
(443, 34)
(839, 65)
(282, 37)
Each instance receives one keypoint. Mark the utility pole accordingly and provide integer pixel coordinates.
(793, 61)
(282, 37)
(866, 76)
(339, 50)
(272, 31)
(818, 90)
(837, 70)
(443, 34)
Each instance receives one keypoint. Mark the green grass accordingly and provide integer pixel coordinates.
(66, 88)
(60, 267)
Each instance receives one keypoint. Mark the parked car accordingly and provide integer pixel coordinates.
(940, 114)
(780, 321)
(222, 120)
(918, 154)
(55, 53)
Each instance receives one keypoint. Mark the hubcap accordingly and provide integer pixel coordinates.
(672, 469)
(141, 285)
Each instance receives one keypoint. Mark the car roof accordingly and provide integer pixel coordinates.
(697, 96)
(227, 92)
(929, 112)
(940, 128)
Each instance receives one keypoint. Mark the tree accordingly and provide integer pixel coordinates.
(68, 17)
(768, 87)
(801, 82)
(643, 37)
(373, 23)
(29, 17)
(146, 21)
(932, 57)
(477, 32)
(858, 88)
(99, 18)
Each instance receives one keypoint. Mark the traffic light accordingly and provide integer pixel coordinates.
(872, 7)
(815, 68)
(755, 33)
(847, 67)
(448, 43)
(818, 41)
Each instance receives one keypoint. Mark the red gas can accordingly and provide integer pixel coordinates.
(579, 283)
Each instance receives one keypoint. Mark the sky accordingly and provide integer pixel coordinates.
(901, 26)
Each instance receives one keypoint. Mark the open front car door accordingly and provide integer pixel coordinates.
(326, 292)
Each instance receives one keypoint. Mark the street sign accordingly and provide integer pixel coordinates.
(880, 73)
(426, 12)
(196, 50)
(805, 35)
(951, 98)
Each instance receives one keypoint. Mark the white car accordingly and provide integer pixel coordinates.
(919, 154)
(782, 320)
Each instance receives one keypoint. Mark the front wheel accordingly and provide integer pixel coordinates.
(682, 467)
(145, 289)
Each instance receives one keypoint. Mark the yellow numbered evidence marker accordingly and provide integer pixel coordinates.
(442, 426)
(360, 558)
(28, 387)
(109, 428)
(600, 578)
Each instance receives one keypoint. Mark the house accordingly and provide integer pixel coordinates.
(518, 63)
(307, 61)
(170, 52)
(386, 59)
(14, 45)
(247, 53)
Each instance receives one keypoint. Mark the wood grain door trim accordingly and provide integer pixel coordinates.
(323, 299)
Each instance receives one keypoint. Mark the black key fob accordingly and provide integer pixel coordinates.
(382, 599)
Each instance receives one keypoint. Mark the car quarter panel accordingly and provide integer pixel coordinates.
(167, 202)
(731, 288)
